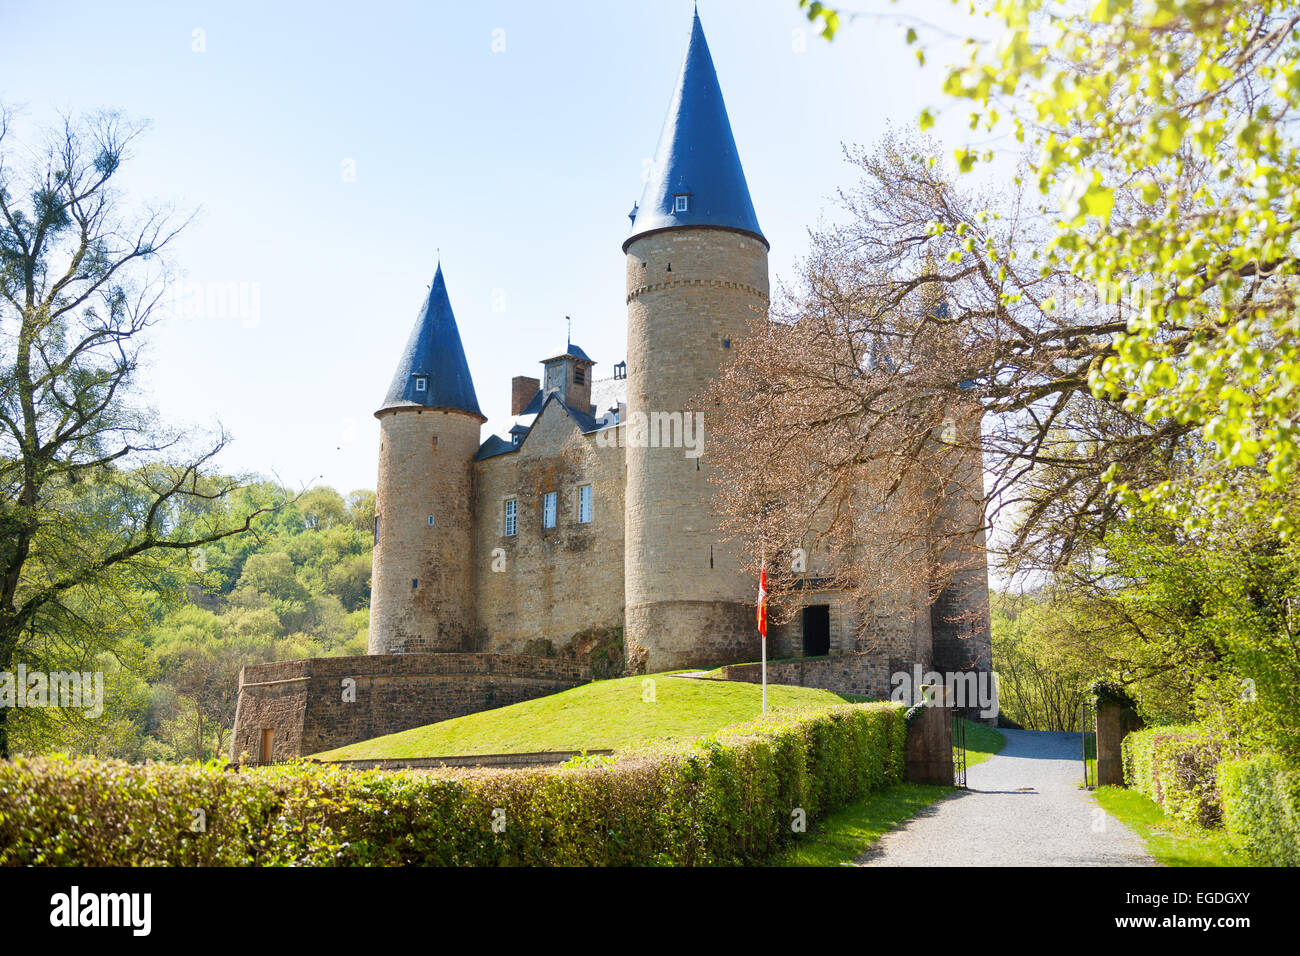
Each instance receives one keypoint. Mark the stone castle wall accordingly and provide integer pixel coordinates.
(960, 613)
(864, 674)
(308, 707)
(691, 294)
(549, 583)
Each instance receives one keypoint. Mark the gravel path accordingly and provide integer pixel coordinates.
(1024, 808)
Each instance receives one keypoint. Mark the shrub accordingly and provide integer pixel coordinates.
(1261, 808)
(1176, 767)
(726, 799)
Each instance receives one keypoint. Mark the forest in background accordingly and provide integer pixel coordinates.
(296, 585)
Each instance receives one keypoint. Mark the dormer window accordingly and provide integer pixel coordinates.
(681, 203)
(421, 383)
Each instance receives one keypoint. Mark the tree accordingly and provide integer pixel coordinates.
(1166, 132)
(361, 509)
(321, 508)
(898, 367)
(205, 677)
(80, 277)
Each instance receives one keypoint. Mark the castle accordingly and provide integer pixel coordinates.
(594, 514)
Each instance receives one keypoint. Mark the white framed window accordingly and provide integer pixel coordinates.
(512, 516)
(420, 384)
(681, 203)
(584, 504)
(548, 510)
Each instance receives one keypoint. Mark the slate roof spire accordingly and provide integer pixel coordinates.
(433, 371)
(697, 158)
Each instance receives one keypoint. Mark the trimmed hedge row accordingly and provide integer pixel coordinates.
(1177, 768)
(1261, 808)
(726, 799)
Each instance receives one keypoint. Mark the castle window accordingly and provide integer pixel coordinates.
(681, 203)
(548, 510)
(415, 583)
(579, 375)
(512, 516)
(584, 504)
(430, 521)
(376, 529)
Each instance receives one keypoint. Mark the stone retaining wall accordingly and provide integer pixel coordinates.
(860, 673)
(321, 703)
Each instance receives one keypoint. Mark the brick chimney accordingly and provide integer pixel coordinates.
(522, 390)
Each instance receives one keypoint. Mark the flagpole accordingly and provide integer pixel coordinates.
(762, 625)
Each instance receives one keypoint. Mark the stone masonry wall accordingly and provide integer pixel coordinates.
(304, 703)
(549, 583)
(863, 674)
(960, 614)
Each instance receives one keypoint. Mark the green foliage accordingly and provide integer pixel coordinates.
(1108, 691)
(1193, 625)
(1170, 841)
(1165, 134)
(1166, 131)
(727, 799)
(1041, 671)
(1209, 616)
(172, 632)
(1261, 808)
(1177, 767)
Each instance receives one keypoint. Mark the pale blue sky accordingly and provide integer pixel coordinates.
(519, 164)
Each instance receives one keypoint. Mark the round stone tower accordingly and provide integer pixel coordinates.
(422, 578)
(696, 277)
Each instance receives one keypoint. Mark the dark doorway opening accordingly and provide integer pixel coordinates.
(817, 630)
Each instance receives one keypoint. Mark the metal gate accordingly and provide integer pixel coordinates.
(958, 750)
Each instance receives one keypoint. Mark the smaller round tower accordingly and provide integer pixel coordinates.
(422, 578)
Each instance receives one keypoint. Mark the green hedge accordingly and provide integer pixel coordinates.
(726, 799)
(1261, 808)
(1177, 768)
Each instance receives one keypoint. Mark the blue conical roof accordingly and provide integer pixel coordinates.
(697, 157)
(434, 355)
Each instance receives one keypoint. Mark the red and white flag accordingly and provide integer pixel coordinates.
(762, 602)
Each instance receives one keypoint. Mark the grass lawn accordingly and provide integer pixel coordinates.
(846, 834)
(981, 742)
(603, 715)
(1171, 842)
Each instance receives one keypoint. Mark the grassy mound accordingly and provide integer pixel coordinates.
(603, 715)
